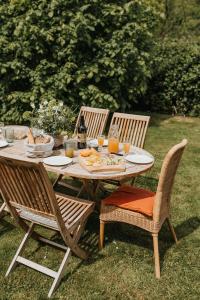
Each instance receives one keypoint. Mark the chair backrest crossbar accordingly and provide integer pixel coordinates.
(95, 120)
(26, 186)
(132, 128)
(166, 180)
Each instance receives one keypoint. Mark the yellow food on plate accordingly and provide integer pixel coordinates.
(89, 152)
(85, 152)
(93, 159)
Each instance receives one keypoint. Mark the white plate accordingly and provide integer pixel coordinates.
(139, 158)
(95, 142)
(3, 144)
(57, 160)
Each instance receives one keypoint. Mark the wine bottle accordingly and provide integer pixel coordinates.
(82, 134)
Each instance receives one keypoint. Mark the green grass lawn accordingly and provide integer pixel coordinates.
(124, 269)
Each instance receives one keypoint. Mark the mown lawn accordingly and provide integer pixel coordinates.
(124, 269)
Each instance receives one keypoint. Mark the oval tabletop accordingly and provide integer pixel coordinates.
(17, 151)
(132, 169)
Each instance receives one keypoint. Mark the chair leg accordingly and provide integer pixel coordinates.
(2, 209)
(57, 180)
(171, 228)
(60, 273)
(156, 255)
(133, 180)
(101, 236)
(20, 249)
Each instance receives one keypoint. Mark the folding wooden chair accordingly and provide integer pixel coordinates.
(29, 195)
(95, 121)
(143, 208)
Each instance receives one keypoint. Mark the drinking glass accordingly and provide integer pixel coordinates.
(1, 129)
(9, 134)
(70, 146)
(100, 139)
(126, 147)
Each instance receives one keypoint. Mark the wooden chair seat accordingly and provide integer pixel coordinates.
(72, 210)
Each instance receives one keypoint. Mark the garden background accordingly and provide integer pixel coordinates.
(123, 55)
(126, 56)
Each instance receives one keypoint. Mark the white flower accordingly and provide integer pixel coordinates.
(33, 105)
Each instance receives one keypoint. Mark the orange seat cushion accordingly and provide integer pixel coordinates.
(132, 198)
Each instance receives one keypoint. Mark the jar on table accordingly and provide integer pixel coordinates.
(113, 139)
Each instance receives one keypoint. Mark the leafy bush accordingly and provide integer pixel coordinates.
(175, 83)
(93, 52)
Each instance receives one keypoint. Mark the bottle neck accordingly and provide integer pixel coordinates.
(82, 121)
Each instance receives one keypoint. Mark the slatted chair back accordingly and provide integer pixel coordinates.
(132, 128)
(95, 120)
(166, 180)
(26, 186)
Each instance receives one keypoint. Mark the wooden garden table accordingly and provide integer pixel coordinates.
(75, 170)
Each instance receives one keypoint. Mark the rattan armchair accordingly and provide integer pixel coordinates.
(28, 194)
(160, 210)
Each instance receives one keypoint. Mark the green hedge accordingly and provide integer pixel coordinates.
(175, 83)
(93, 52)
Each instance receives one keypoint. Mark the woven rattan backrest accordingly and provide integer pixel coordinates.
(132, 128)
(95, 120)
(166, 180)
(26, 185)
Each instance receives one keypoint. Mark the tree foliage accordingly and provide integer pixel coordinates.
(175, 83)
(79, 51)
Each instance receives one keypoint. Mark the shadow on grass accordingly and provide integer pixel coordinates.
(157, 119)
(6, 227)
(146, 182)
(131, 234)
(88, 242)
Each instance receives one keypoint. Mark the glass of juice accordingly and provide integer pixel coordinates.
(100, 139)
(126, 147)
(70, 146)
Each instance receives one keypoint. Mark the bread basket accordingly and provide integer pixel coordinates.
(39, 150)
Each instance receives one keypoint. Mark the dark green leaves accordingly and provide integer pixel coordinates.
(82, 52)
